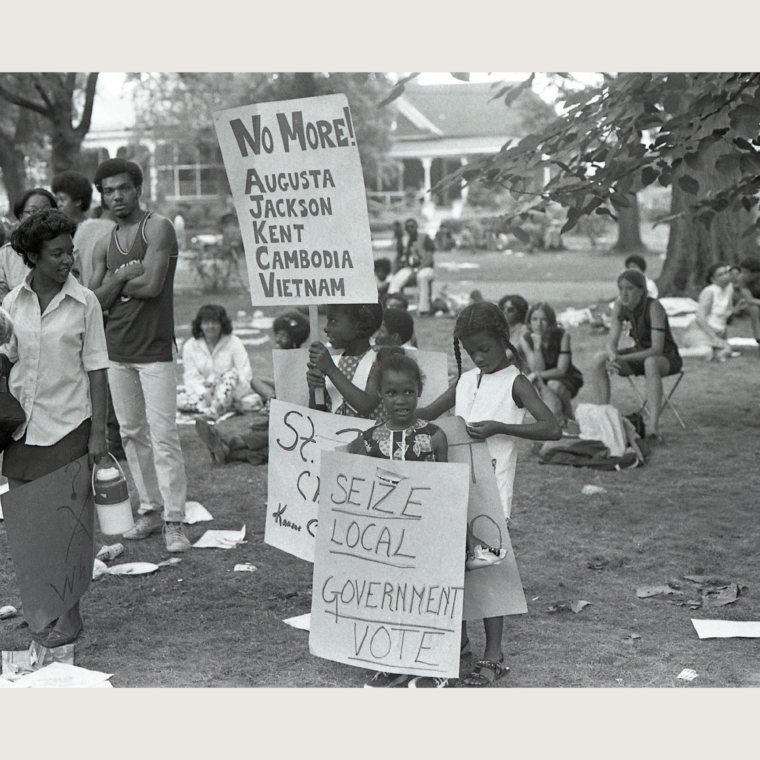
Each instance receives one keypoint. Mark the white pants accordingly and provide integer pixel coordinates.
(145, 401)
(406, 276)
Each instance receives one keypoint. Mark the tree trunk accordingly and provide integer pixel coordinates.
(692, 245)
(629, 237)
(65, 144)
(12, 169)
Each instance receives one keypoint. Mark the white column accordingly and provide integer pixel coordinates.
(427, 164)
(465, 188)
(152, 171)
(428, 207)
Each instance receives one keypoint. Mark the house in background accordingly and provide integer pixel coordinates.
(437, 129)
(440, 128)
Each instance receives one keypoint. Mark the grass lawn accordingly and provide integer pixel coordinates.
(691, 510)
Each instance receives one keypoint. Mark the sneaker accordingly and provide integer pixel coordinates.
(176, 540)
(429, 682)
(387, 680)
(145, 526)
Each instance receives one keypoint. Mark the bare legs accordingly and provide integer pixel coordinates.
(557, 397)
(600, 379)
(494, 629)
(655, 368)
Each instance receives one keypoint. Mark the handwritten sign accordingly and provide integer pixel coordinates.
(297, 437)
(50, 524)
(290, 375)
(389, 567)
(296, 178)
(495, 590)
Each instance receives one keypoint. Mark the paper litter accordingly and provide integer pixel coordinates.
(61, 675)
(133, 568)
(302, 622)
(220, 539)
(195, 512)
(726, 629)
(99, 569)
(170, 561)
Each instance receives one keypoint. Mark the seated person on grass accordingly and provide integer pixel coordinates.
(252, 444)
(705, 337)
(216, 367)
(382, 273)
(291, 330)
(397, 329)
(654, 355)
(749, 291)
(549, 361)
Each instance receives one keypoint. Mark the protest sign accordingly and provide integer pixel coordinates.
(297, 436)
(50, 526)
(290, 374)
(494, 590)
(389, 565)
(297, 182)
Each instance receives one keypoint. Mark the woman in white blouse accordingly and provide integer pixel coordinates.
(56, 363)
(705, 337)
(217, 368)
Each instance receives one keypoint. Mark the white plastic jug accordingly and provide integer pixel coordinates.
(112, 498)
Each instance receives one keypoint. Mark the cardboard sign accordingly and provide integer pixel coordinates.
(297, 437)
(296, 178)
(495, 590)
(290, 375)
(50, 524)
(389, 567)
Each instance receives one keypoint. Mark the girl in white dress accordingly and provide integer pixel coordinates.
(492, 399)
(705, 337)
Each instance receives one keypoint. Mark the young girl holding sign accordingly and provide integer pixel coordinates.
(351, 386)
(402, 437)
(492, 399)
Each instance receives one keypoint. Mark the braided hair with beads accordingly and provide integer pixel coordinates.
(482, 317)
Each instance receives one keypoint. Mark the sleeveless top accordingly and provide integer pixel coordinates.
(640, 321)
(139, 329)
(415, 444)
(722, 305)
(551, 349)
(489, 397)
(356, 369)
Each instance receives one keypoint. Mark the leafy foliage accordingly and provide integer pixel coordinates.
(57, 100)
(630, 131)
(180, 106)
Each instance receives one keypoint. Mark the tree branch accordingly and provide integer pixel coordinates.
(22, 101)
(50, 112)
(84, 123)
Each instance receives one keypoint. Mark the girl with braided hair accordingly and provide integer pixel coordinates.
(492, 399)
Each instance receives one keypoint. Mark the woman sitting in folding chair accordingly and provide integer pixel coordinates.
(655, 353)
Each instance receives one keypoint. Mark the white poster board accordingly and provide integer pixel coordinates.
(494, 590)
(389, 566)
(297, 182)
(297, 437)
(290, 374)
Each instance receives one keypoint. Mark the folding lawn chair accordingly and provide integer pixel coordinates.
(668, 395)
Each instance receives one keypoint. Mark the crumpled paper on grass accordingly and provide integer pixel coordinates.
(220, 539)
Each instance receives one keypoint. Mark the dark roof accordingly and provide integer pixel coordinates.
(461, 110)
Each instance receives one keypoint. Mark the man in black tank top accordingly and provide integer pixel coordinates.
(133, 277)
